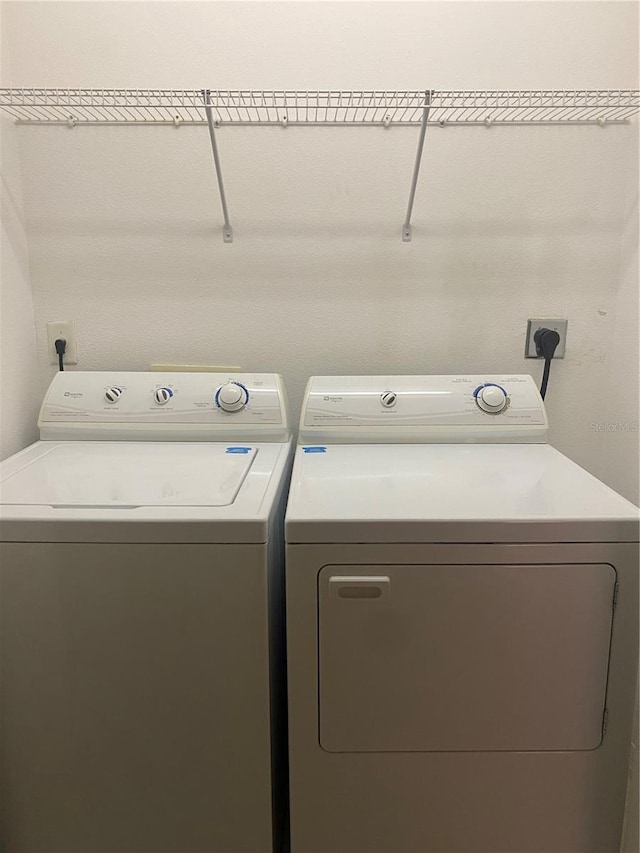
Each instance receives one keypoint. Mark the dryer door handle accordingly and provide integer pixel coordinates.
(360, 587)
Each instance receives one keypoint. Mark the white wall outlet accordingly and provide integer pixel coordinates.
(62, 329)
(559, 326)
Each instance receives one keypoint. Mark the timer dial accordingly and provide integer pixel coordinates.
(491, 398)
(112, 394)
(162, 395)
(232, 397)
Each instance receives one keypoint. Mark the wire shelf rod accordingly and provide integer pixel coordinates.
(440, 124)
(227, 231)
(406, 225)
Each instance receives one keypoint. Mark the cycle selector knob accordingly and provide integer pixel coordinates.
(389, 399)
(162, 396)
(112, 394)
(232, 397)
(491, 398)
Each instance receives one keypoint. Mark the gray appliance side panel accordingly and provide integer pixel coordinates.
(278, 659)
(463, 657)
(559, 802)
(135, 699)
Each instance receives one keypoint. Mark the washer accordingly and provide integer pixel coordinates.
(462, 609)
(142, 621)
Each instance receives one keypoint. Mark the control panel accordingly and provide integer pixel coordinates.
(449, 409)
(172, 406)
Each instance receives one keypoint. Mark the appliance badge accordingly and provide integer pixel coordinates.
(332, 399)
(73, 394)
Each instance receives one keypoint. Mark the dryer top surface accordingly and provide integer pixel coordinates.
(455, 492)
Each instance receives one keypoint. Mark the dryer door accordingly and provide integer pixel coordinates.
(463, 657)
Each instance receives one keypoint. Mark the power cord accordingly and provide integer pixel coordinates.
(546, 341)
(61, 347)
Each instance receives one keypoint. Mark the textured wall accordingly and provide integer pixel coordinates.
(618, 462)
(124, 223)
(19, 379)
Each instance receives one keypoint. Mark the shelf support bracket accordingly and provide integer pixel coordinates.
(406, 226)
(227, 231)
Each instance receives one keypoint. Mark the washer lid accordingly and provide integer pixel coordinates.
(128, 475)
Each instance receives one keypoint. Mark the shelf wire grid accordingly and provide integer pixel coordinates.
(318, 108)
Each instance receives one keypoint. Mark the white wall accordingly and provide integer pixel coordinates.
(19, 379)
(510, 223)
(620, 438)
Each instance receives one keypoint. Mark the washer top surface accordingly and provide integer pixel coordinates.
(127, 491)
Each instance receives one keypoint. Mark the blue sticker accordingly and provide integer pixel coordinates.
(314, 449)
(238, 450)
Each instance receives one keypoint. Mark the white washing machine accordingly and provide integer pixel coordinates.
(142, 618)
(462, 637)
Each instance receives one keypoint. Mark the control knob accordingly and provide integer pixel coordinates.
(112, 394)
(388, 399)
(232, 397)
(491, 398)
(162, 395)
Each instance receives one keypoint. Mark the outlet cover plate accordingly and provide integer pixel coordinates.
(559, 326)
(62, 329)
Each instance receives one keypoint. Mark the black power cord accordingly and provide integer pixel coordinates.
(546, 341)
(61, 346)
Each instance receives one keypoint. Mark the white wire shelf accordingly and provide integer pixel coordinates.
(318, 108)
(226, 108)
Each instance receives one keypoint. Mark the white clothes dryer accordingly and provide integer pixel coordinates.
(462, 625)
(142, 617)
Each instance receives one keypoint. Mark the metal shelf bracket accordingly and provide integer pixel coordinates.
(407, 231)
(227, 230)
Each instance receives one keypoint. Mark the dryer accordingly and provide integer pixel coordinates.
(462, 625)
(142, 617)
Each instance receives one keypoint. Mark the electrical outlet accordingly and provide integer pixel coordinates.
(62, 329)
(559, 326)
